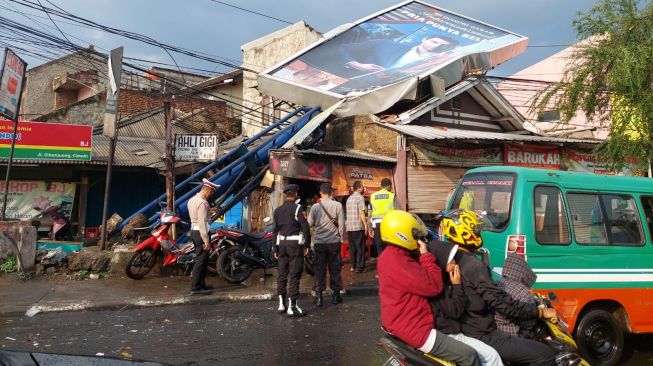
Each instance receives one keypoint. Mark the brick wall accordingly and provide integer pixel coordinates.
(64, 97)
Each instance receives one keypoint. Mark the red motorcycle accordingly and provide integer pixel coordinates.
(162, 245)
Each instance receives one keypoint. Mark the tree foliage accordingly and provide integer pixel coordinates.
(609, 77)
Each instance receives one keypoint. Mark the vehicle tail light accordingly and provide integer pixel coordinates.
(516, 244)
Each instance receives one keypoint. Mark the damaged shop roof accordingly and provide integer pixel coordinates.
(444, 133)
(396, 54)
(348, 154)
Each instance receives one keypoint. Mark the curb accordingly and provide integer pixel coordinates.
(144, 302)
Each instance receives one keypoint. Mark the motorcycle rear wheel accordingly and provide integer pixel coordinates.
(231, 268)
(140, 263)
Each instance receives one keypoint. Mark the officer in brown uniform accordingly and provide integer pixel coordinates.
(198, 210)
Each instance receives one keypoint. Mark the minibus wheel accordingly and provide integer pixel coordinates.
(600, 338)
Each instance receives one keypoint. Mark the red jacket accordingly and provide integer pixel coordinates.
(404, 286)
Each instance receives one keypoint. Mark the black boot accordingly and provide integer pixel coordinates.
(318, 299)
(337, 299)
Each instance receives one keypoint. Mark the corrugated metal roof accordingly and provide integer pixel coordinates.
(436, 133)
(349, 154)
(130, 151)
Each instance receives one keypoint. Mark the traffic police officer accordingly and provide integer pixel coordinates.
(292, 238)
(382, 202)
(199, 212)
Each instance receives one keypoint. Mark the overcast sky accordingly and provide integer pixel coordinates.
(207, 26)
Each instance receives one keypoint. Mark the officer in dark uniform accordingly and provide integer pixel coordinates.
(292, 238)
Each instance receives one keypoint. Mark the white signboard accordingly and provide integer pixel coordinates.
(11, 84)
(196, 147)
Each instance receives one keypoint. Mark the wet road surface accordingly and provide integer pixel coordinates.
(221, 334)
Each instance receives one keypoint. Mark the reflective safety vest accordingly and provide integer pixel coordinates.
(382, 202)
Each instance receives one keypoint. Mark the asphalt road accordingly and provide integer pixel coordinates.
(220, 334)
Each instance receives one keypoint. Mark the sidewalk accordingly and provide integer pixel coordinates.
(56, 293)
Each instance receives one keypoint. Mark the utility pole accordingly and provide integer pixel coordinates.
(110, 118)
(169, 163)
(13, 67)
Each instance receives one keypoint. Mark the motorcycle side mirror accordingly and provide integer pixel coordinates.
(552, 296)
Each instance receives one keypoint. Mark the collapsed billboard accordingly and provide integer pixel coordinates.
(381, 59)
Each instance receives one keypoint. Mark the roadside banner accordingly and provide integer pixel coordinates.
(534, 156)
(11, 84)
(46, 141)
(25, 195)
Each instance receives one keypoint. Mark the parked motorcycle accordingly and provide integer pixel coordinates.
(61, 228)
(245, 251)
(161, 245)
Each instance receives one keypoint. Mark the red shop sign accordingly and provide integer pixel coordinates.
(534, 156)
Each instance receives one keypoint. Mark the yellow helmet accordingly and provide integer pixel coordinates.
(402, 229)
(463, 227)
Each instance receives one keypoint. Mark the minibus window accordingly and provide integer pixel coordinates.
(647, 205)
(489, 194)
(551, 225)
(587, 218)
(622, 220)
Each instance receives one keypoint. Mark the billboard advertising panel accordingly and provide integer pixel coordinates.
(411, 40)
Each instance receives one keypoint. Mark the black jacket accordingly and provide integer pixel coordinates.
(449, 306)
(485, 297)
(289, 220)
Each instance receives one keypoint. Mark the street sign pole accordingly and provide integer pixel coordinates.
(109, 130)
(170, 165)
(14, 118)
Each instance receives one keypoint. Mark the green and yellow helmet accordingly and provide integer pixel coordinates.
(463, 227)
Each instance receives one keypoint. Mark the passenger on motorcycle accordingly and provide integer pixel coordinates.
(408, 276)
(517, 278)
(449, 306)
(484, 297)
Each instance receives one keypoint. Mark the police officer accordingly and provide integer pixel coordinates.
(292, 238)
(382, 202)
(199, 212)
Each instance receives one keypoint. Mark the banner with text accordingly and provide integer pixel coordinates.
(25, 195)
(286, 164)
(424, 154)
(588, 162)
(534, 156)
(344, 176)
(46, 141)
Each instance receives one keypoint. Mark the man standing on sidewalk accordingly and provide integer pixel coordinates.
(382, 202)
(198, 210)
(356, 227)
(291, 238)
(328, 219)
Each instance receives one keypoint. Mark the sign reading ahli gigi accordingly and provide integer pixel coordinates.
(46, 141)
(534, 156)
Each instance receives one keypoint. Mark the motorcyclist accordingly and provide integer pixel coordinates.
(449, 305)
(484, 297)
(408, 276)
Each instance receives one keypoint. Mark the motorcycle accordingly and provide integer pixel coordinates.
(553, 332)
(161, 244)
(61, 229)
(245, 251)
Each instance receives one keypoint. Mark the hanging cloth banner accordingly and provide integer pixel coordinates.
(534, 156)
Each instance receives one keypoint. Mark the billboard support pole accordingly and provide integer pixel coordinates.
(170, 164)
(11, 152)
(111, 117)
